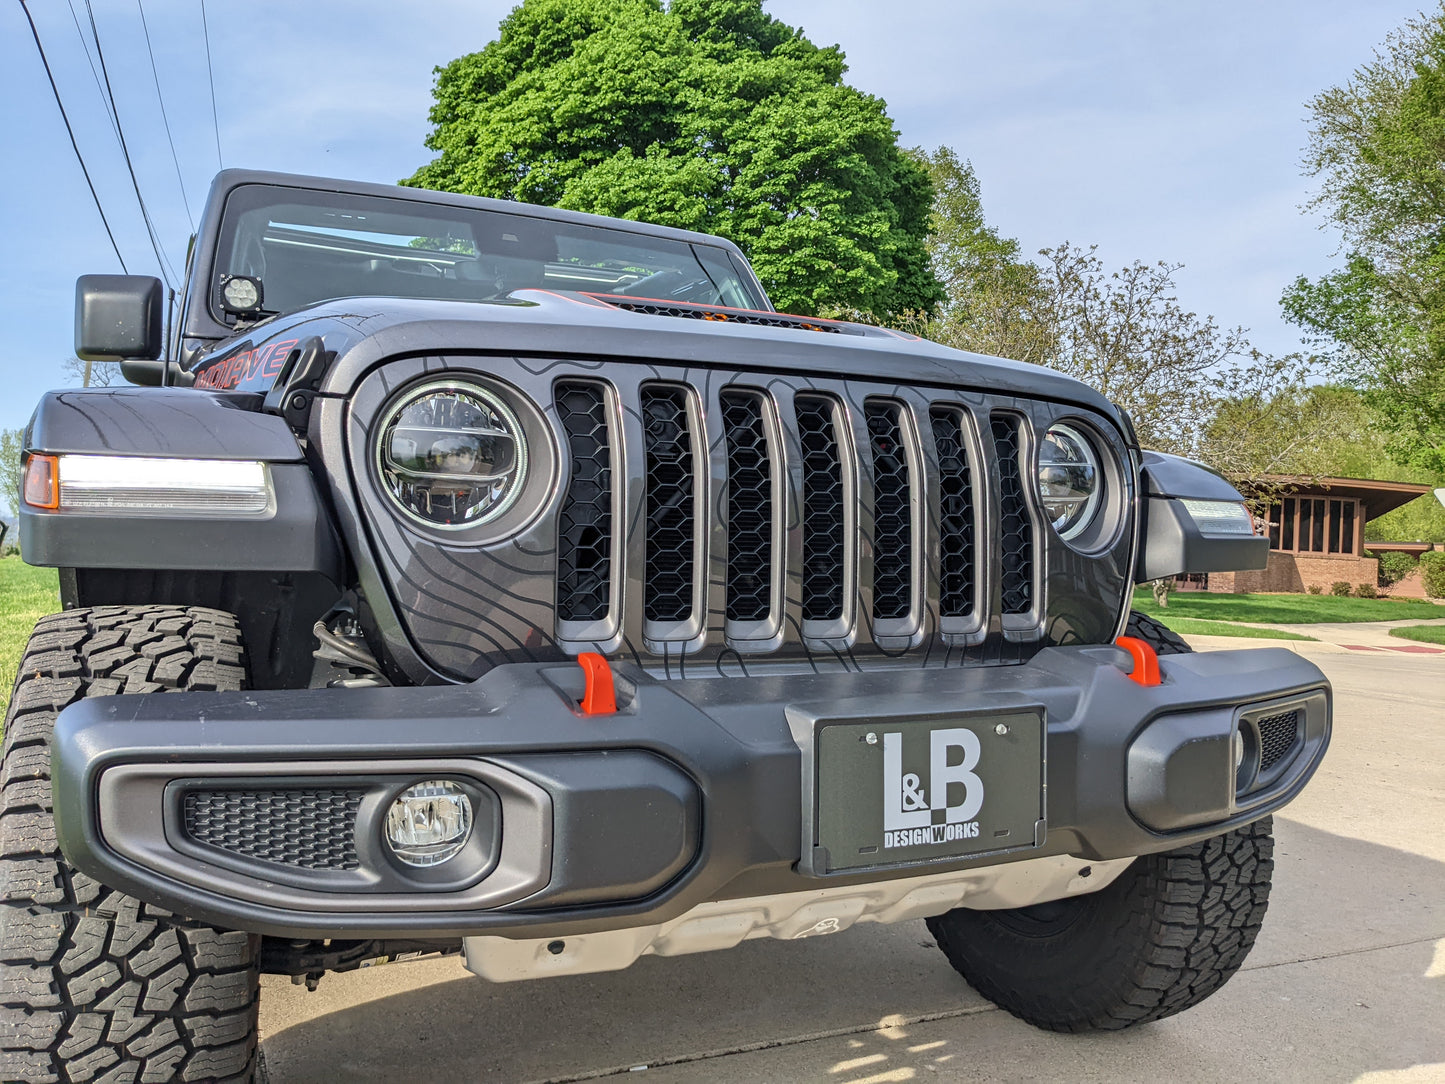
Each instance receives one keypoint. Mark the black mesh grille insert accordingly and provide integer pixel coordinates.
(723, 315)
(310, 829)
(823, 519)
(584, 526)
(955, 515)
(1276, 737)
(749, 507)
(667, 586)
(1016, 531)
(892, 513)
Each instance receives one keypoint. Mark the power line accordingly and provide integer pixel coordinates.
(215, 124)
(85, 46)
(167, 272)
(164, 119)
(71, 132)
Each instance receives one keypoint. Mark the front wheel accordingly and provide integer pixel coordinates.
(94, 984)
(1167, 933)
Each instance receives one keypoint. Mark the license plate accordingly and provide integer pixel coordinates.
(895, 791)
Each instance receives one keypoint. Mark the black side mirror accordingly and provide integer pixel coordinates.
(118, 317)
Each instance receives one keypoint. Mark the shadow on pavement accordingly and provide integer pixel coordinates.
(1348, 978)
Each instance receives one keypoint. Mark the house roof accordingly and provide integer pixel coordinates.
(1379, 496)
(1413, 548)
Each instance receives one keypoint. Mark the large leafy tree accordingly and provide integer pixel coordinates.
(1377, 146)
(704, 114)
(995, 301)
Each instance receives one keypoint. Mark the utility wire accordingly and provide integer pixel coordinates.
(167, 272)
(164, 119)
(71, 132)
(85, 45)
(215, 124)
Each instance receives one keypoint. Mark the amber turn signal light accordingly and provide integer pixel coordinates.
(42, 481)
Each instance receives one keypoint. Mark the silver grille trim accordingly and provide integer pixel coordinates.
(853, 483)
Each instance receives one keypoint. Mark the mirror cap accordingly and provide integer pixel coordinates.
(118, 317)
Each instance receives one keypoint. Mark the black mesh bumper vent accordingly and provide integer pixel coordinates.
(956, 561)
(584, 526)
(1277, 734)
(823, 513)
(749, 508)
(308, 829)
(892, 513)
(1016, 530)
(671, 542)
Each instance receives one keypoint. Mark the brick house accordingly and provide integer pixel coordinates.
(1317, 533)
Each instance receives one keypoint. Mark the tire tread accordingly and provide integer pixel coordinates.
(94, 984)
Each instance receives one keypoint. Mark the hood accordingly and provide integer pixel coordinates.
(362, 332)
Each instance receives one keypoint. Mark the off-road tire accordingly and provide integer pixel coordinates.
(1167, 933)
(1164, 641)
(95, 985)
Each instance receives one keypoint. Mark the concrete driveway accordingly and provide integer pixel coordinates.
(1346, 983)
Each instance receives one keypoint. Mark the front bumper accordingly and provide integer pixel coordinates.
(694, 791)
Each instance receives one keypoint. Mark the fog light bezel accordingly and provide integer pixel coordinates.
(478, 854)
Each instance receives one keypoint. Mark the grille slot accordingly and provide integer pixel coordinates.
(1016, 530)
(892, 513)
(823, 511)
(749, 507)
(670, 552)
(955, 515)
(307, 829)
(584, 525)
(1277, 735)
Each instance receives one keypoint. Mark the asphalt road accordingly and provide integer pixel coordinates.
(1346, 983)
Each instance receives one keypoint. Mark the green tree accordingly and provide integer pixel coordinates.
(11, 442)
(1376, 146)
(996, 302)
(705, 114)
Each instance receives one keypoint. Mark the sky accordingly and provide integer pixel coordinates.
(1157, 131)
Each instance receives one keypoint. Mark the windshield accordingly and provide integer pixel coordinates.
(308, 246)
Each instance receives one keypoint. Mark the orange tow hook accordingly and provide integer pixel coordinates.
(601, 695)
(1146, 663)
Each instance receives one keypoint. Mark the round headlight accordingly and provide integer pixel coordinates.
(453, 455)
(429, 823)
(1069, 480)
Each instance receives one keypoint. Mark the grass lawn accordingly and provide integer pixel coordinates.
(1430, 634)
(1190, 626)
(1283, 609)
(26, 595)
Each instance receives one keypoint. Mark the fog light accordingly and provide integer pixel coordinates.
(429, 823)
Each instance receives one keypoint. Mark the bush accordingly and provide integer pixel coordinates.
(1315, 589)
(1340, 589)
(1394, 567)
(1434, 565)
(1366, 590)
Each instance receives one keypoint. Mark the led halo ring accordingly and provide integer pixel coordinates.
(412, 488)
(1070, 480)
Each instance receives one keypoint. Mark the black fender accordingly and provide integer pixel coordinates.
(295, 535)
(1171, 542)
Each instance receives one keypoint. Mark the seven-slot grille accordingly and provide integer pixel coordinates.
(914, 468)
